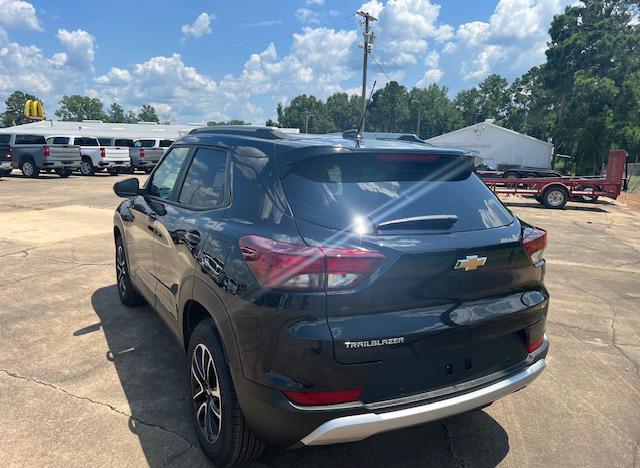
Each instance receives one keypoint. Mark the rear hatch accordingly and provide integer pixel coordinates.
(446, 305)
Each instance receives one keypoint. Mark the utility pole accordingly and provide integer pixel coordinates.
(415, 101)
(306, 121)
(366, 47)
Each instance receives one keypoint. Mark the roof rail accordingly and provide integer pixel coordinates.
(267, 133)
(354, 134)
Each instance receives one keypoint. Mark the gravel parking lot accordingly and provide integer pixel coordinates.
(85, 381)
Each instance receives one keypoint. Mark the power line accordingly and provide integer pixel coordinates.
(380, 66)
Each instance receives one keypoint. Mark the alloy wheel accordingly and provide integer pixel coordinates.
(27, 169)
(205, 389)
(85, 168)
(121, 270)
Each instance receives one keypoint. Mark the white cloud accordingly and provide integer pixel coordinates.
(515, 37)
(433, 75)
(19, 14)
(115, 76)
(265, 23)
(314, 2)
(304, 15)
(80, 48)
(200, 27)
(404, 29)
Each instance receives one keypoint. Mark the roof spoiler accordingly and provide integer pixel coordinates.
(355, 135)
(266, 133)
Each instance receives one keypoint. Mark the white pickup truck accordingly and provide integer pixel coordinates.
(95, 157)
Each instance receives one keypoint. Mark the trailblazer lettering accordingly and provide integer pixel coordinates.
(373, 343)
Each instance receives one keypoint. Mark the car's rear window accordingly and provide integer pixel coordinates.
(165, 143)
(30, 140)
(145, 143)
(339, 191)
(123, 142)
(105, 141)
(4, 139)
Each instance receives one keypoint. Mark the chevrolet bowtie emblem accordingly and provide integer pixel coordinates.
(472, 262)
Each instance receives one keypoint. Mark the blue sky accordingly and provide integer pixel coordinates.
(202, 60)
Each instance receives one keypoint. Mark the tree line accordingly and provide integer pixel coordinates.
(585, 97)
(76, 108)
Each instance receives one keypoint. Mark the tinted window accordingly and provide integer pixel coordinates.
(335, 191)
(58, 140)
(4, 139)
(165, 176)
(123, 142)
(85, 141)
(104, 141)
(204, 184)
(30, 140)
(145, 143)
(165, 143)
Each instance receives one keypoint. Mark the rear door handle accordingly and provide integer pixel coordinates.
(192, 237)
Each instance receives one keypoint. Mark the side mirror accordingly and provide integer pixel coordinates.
(127, 188)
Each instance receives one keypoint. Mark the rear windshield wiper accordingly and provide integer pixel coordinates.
(418, 223)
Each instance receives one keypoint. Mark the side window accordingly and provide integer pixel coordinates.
(166, 174)
(165, 143)
(4, 139)
(204, 184)
(104, 141)
(60, 140)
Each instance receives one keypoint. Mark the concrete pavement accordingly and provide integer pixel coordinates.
(86, 381)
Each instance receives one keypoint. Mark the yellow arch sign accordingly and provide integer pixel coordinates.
(33, 110)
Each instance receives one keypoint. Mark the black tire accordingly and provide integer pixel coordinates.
(113, 172)
(29, 168)
(64, 173)
(126, 291)
(147, 170)
(86, 167)
(234, 443)
(5, 173)
(555, 197)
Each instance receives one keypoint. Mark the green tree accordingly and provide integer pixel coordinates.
(438, 114)
(130, 117)
(148, 114)
(389, 109)
(592, 76)
(78, 108)
(303, 109)
(116, 114)
(530, 109)
(14, 112)
(490, 100)
(344, 111)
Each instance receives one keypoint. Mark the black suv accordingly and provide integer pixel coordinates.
(326, 289)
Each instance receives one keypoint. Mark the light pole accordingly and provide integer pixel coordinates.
(415, 101)
(306, 121)
(366, 47)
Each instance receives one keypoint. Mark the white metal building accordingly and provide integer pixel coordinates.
(97, 128)
(497, 145)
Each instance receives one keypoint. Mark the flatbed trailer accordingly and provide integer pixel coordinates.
(555, 192)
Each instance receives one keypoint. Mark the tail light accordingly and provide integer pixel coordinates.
(535, 243)
(301, 268)
(323, 398)
(531, 347)
(46, 151)
(142, 152)
(10, 152)
(103, 153)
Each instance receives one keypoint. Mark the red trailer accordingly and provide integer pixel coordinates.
(555, 192)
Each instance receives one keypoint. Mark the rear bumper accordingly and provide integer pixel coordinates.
(5, 166)
(109, 164)
(361, 426)
(277, 421)
(61, 165)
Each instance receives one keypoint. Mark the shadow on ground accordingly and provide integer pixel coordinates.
(152, 371)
